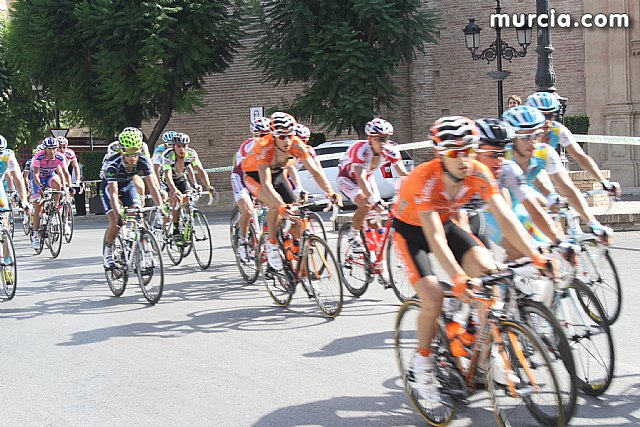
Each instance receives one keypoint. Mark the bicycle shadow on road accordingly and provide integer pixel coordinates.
(346, 345)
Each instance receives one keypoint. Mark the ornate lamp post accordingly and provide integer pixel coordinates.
(498, 50)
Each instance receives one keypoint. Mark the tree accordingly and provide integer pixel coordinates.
(115, 63)
(24, 115)
(345, 52)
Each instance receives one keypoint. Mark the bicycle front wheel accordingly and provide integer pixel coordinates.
(537, 392)
(67, 221)
(173, 244)
(54, 233)
(9, 267)
(598, 271)
(355, 266)
(12, 221)
(400, 283)
(149, 267)
(201, 240)
(323, 274)
(26, 224)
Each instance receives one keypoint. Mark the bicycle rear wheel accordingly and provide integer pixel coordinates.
(174, 248)
(54, 233)
(117, 277)
(26, 224)
(538, 393)
(599, 273)
(67, 221)
(149, 267)
(400, 283)
(537, 316)
(323, 274)
(406, 345)
(590, 339)
(249, 269)
(201, 240)
(280, 284)
(356, 271)
(9, 267)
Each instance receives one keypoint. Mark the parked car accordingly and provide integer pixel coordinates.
(385, 176)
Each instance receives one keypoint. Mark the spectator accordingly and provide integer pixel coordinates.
(514, 101)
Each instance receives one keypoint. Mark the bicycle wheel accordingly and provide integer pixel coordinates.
(538, 390)
(537, 316)
(249, 269)
(316, 225)
(400, 283)
(9, 267)
(280, 285)
(26, 224)
(41, 235)
(590, 340)
(405, 346)
(201, 240)
(355, 267)
(149, 267)
(235, 217)
(54, 233)
(174, 248)
(599, 273)
(117, 277)
(67, 221)
(156, 226)
(322, 272)
(12, 221)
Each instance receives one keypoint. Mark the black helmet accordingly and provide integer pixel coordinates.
(495, 132)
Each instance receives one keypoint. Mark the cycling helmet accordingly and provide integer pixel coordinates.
(282, 124)
(447, 131)
(3, 142)
(495, 132)
(181, 138)
(260, 125)
(377, 127)
(302, 132)
(50, 142)
(167, 137)
(130, 138)
(62, 140)
(524, 117)
(544, 101)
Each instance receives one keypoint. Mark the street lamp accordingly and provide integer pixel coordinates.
(497, 51)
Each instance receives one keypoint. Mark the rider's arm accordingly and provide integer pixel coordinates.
(202, 174)
(542, 220)
(293, 175)
(168, 179)
(510, 226)
(112, 190)
(76, 170)
(361, 179)
(19, 184)
(400, 168)
(567, 188)
(36, 175)
(154, 189)
(435, 235)
(585, 161)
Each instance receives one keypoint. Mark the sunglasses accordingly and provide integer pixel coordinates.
(180, 145)
(454, 153)
(381, 139)
(493, 154)
(132, 154)
(283, 137)
(528, 136)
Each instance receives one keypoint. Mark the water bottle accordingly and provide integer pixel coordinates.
(370, 237)
(287, 242)
(458, 335)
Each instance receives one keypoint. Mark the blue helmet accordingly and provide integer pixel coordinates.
(544, 101)
(524, 117)
(167, 137)
(50, 142)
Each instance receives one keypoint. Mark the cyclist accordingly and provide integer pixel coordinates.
(494, 136)
(558, 134)
(156, 158)
(70, 155)
(175, 162)
(265, 178)
(425, 221)
(118, 183)
(49, 170)
(26, 168)
(259, 127)
(9, 168)
(355, 175)
(534, 156)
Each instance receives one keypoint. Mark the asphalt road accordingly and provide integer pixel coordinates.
(218, 352)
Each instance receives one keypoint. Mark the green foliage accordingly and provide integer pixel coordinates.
(115, 63)
(317, 138)
(345, 53)
(91, 164)
(24, 114)
(578, 125)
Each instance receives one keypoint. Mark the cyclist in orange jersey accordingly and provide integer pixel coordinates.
(426, 215)
(265, 178)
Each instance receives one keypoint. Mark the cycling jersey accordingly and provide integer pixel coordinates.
(423, 190)
(170, 159)
(513, 179)
(70, 155)
(8, 162)
(237, 182)
(558, 134)
(115, 148)
(361, 154)
(543, 158)
(47, 166)
(312, 154)
(263, 153)
(115, 169)
(156, 158)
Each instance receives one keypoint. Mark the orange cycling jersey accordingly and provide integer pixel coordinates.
(263, 153)
(424, 190)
